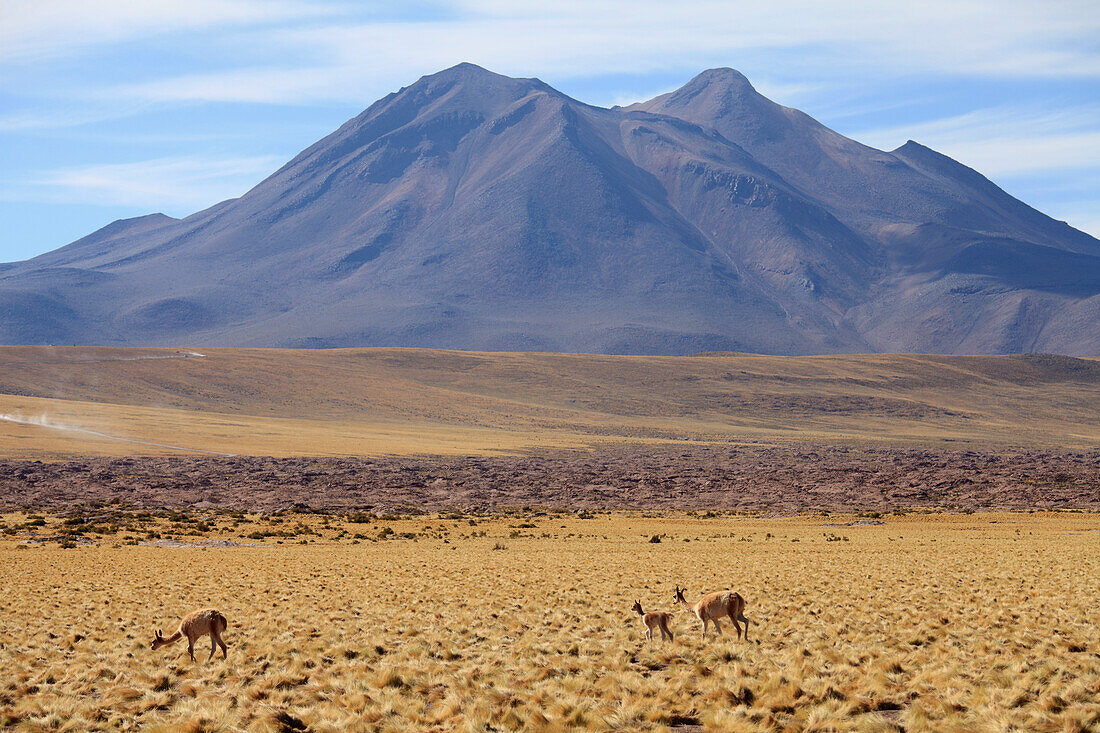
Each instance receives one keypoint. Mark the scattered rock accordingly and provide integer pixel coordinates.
(858, 523)
(200, 543)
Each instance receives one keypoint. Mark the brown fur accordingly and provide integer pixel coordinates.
(654, 620)
(194, 625)
(714, 606)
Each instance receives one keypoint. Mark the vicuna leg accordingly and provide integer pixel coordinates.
(213, 646)
(648, 634)
(191, 648)
(736, 625)
(746, 621)
(716, 626)
(665, 631)
(225, 650)
(704, 627)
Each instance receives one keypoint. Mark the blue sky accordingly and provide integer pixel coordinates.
(115, 108)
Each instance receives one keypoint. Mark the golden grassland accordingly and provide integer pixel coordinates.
(928, 622)
(418, 401)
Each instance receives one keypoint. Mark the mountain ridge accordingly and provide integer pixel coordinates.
(474, 210)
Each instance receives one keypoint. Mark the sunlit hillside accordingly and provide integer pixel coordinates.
(81, 401)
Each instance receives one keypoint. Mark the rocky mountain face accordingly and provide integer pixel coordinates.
(476, 211)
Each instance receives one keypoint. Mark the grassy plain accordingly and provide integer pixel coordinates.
(369, 402)
(928, 622)
(521, 620)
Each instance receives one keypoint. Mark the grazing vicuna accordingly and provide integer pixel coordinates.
(194, 625)
(654, 620)
(714, 606)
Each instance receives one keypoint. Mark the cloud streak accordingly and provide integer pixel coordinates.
(570, 39)
(33, 30)
(1005, 141)
(175, 183)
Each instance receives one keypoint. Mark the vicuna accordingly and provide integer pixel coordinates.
(654, 620)
(194, 625)
(714, 606)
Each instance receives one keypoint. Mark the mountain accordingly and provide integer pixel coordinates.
(472, 210)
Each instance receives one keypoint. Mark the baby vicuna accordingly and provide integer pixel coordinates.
(654, 620)
(194, 625)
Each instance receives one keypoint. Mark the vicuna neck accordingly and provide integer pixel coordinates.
(174, 637)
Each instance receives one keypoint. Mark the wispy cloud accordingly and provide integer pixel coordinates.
(339, 61)
(37, 29)
(68, 115)
(267, 85)
(1007, 140)
(327, 62)
(177, 183)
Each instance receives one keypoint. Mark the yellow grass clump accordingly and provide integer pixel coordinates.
(927, 622)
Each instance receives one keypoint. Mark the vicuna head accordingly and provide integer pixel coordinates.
(637, 608)
(680, 594)
(158, 640)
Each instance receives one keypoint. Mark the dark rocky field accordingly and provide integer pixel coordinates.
(741, 477)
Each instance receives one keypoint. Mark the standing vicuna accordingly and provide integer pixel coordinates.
(654, 620)
(714, 606)
(194, 625)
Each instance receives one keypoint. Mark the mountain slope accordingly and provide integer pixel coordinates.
(472, 210)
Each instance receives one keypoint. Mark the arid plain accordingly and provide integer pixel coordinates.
(409, 539)
(339, 402)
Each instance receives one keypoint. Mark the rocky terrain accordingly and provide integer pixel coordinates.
(741, 477)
